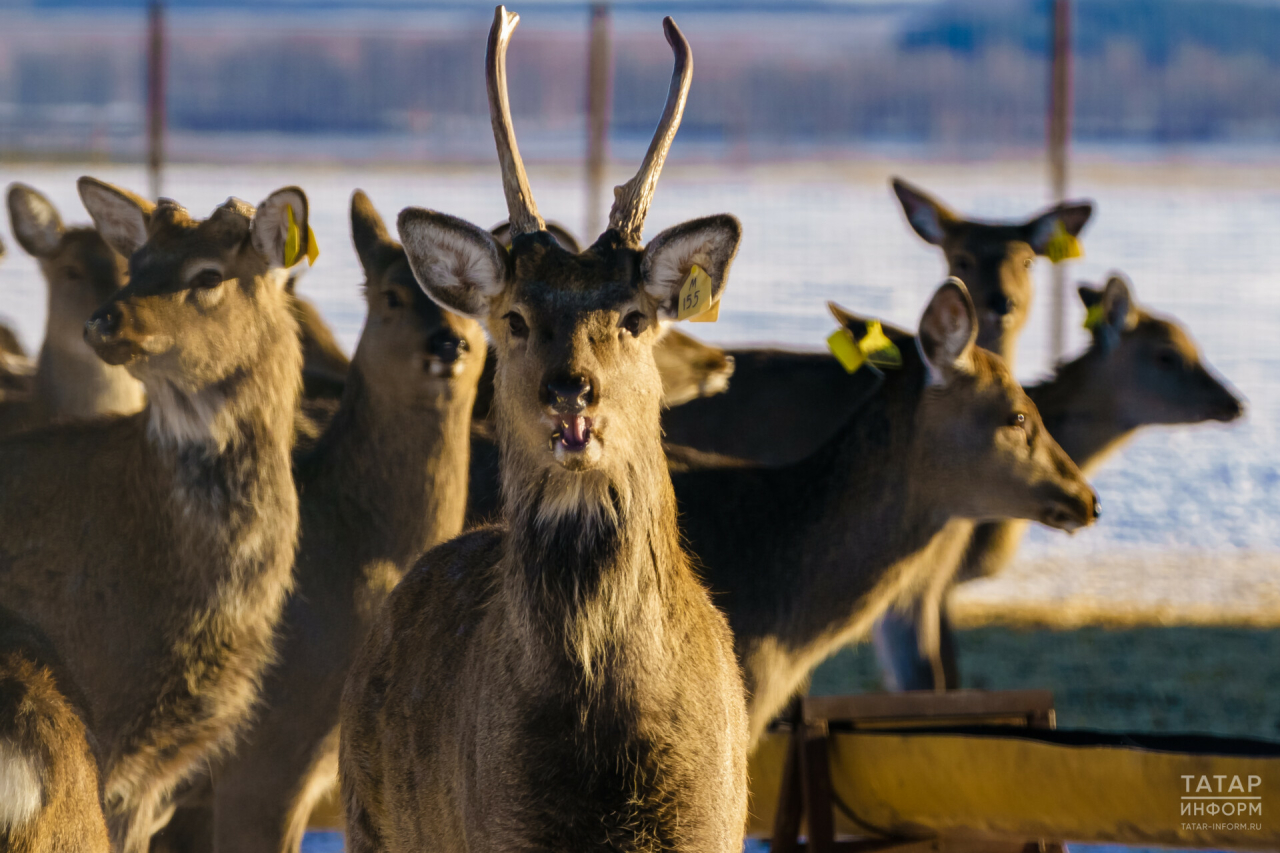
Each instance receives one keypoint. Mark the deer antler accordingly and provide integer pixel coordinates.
(631, 200)
(515, 184)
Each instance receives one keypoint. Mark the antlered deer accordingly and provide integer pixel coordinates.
(561, 682)
(154, 550)
(385, 483)
(804, 557)
(81, 272)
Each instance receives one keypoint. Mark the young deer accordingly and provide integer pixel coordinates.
(154, 550)
(81, 272)
(993, 259)
(561, 682)
(386, 482)
(48, 771)
(803, 558)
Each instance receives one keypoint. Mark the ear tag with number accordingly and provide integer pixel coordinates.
(874, 348)
(1095, 316)
(695, 297)
(293, 237)
(1062, 245)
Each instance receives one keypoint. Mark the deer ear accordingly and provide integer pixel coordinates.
(36, 224)
(1089, 295)
(269, 229)
(461, 267)
(1073, 215)
(926, 215)
(848, 319)
(710, 242)
(948, 332)
(369, 234)
(120, 216)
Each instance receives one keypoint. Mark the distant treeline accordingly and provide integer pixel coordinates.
(962, 73)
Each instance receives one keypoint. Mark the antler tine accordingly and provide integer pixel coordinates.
(631, 200)
(515, 184)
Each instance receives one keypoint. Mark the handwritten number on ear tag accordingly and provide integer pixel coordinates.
(694, 299)
(293, 237)
(1062, 245)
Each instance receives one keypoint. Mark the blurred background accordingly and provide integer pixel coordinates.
(1161, 618)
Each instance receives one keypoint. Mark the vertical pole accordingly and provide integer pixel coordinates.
(599, 86)
(155, 94)
(1059, 139)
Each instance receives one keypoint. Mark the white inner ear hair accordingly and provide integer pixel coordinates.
(447, 259)
(925, 220)
(271, 228)
(37, 223)
(21, 791)
(671, 262)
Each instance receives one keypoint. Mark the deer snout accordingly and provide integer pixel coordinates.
(569, 394)
(1070, 509)
(446, 346)
(102, 332)
(1000, 304)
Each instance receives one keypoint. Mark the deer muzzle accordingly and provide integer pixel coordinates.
(1070, 509)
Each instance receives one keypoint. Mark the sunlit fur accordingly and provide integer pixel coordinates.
(560, 681)
(386, 482)
(154, 550)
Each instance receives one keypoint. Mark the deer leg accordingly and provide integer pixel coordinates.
(903, 666)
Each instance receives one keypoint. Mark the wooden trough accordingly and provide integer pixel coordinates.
(972, 770)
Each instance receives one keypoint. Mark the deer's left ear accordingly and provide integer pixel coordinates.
(270, 226)
(710, 243)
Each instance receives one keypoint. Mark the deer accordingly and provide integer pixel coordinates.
(384, 484)
(154, 550)
(48, 762)
(561, 680)
(1141, 369)
(803, 558)
(81, 272)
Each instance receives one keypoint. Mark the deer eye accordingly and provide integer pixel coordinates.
(1169, 360)
(519, 328)
(393, 299)
(1019, 420)
(634, 323)
(963, 264)
(206, 279)
(70, 273)
(1026, 263)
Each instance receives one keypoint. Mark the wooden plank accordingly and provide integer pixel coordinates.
(923, 704)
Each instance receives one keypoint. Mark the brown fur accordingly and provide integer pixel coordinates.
(49, 801)
(154, 550)
(562, 681)
(386, 483)
(804, 557)
(81, 272)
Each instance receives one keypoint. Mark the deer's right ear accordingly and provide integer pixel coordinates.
(120, 216)
(36, 224)
(926, 215)
(461, 267)
(269, 230)
(710, 242)
(948, 332)
(369, 234)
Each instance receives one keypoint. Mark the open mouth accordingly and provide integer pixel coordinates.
(573, 433)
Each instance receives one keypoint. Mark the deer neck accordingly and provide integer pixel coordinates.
(1078, 409)
(399, 465)
(593, 565)
(72, 382)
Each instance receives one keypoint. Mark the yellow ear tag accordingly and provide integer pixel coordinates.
(1063, 245)
(1095, 316)
(292, 238)
(695, 298)
(875, 347)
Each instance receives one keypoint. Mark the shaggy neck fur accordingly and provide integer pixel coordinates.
(590, 563)
(400, 467)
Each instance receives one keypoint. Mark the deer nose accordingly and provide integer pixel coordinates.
(103, 324)
(446, 346)
(1000, 304)
(569, 393)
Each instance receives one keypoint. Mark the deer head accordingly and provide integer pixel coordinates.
(993, 259)
(81, 270)
(577, 391)
(979, 448)
(1146, 367)
(205, 304)
(418, 349)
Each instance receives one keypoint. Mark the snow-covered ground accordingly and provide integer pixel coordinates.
(1192, 522)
